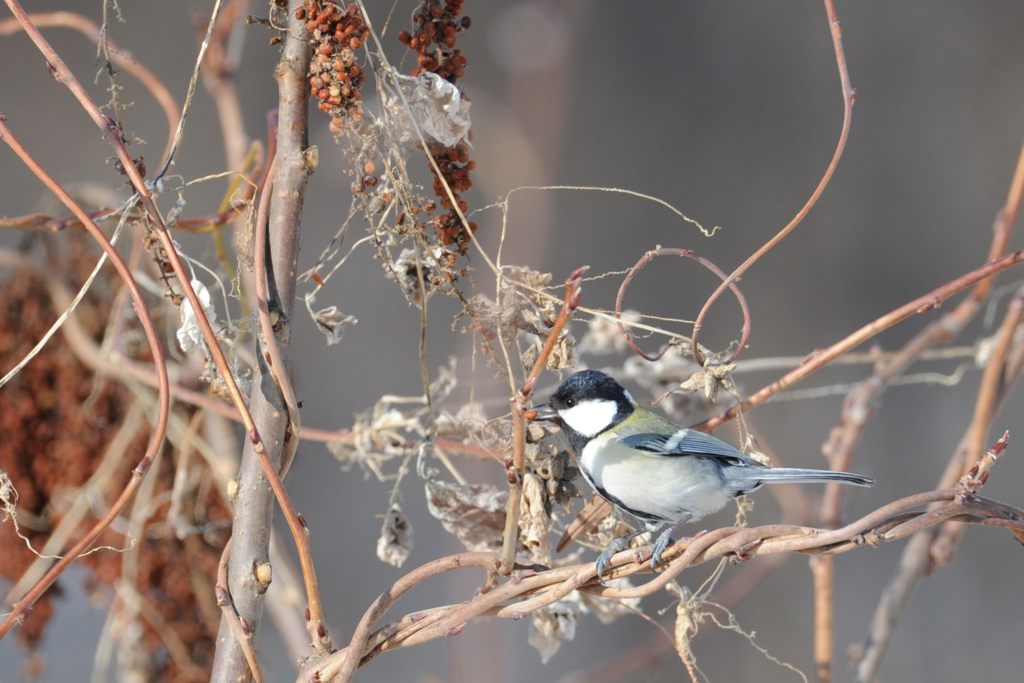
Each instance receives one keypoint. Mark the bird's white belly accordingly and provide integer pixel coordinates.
(672, 488)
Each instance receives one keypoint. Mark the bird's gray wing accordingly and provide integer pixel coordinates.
(687, 442)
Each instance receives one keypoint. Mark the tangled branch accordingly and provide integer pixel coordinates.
(533, 587)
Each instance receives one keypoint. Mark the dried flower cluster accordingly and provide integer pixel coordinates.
(437, 24)
(50, 441)
(334, 76)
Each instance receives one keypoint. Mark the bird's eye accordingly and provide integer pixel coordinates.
(570, 402)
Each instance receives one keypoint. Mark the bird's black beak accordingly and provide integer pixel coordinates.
(543, 413)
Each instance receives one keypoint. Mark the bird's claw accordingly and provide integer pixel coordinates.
(605, 558)
(663, 542)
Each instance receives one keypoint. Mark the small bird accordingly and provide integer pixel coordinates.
(658, 472)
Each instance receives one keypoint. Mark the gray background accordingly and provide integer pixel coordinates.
(730, 111)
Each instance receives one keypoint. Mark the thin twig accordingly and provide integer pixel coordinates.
(514, 468)
(820, 359)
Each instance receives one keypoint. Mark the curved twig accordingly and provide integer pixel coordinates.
(848, 98)
(687, 253)
(274, 358)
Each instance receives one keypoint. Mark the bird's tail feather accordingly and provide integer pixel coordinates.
(797, 475)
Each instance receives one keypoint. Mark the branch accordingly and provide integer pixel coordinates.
(530, 590)
(273, 404)
(820, 358)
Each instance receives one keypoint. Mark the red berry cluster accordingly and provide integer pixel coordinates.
(436, 27)
(334, 76)
(437, 24)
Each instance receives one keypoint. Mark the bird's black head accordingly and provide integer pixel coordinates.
(587, 403)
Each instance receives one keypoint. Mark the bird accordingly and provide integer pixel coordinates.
(660, 473)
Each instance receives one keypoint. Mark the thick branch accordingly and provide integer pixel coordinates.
(255, 504)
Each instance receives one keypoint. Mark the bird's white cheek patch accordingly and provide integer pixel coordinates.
(590, 418)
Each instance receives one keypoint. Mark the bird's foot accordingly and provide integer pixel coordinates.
(605, 558)
(617, 545)
(663, 542)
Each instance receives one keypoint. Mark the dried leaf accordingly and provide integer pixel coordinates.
(475, 513)
(8, 498)
(395, 539)
(604, 337)
(662, 378)
(438, 107)
(552, 625)
(190, 336)
(534, 522)
(332, 323)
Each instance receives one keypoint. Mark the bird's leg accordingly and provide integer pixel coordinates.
(617, 545)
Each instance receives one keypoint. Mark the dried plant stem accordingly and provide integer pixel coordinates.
(159, 363)
(848, 98)
(514, 468)
(820, 359)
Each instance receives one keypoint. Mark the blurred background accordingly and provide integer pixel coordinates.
(728, 110)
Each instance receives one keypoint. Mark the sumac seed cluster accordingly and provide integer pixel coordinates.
(334, 75)
(436, 24)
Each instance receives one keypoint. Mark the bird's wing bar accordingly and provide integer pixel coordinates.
(686, 442)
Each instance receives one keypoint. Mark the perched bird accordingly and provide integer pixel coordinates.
(660, 473)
